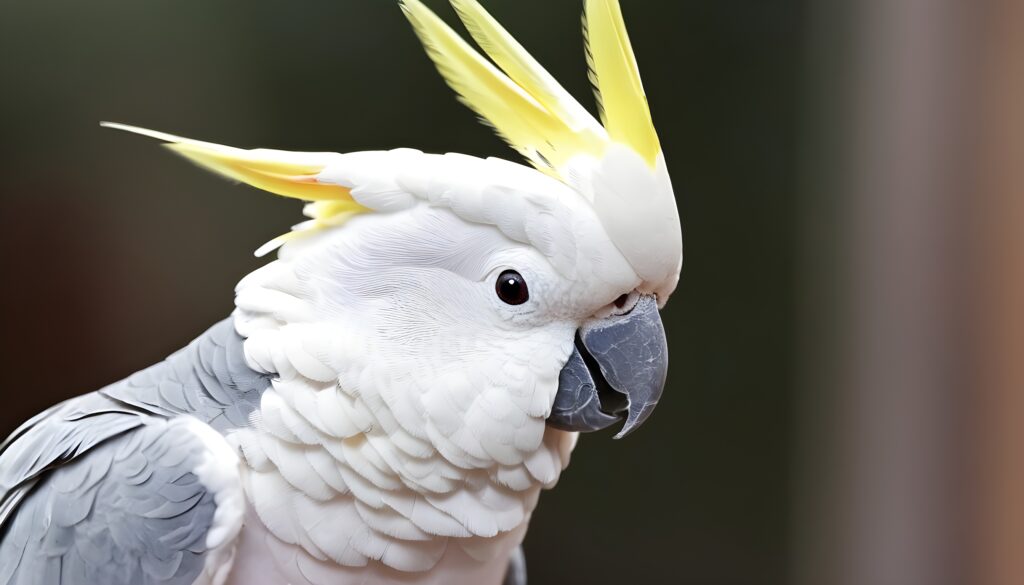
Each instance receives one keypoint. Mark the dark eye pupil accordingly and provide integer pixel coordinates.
(511, 288)
(621, 301)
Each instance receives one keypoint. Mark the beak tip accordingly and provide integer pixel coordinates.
(636, 418)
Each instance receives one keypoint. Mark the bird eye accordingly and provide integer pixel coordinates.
(511, 288)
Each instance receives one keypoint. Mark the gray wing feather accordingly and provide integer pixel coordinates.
(131, 512)
(67, 431)
(208, 379)
(88, 484)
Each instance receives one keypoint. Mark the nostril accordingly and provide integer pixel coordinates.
(621, 301)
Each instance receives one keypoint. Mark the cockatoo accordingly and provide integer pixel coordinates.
(391, 394)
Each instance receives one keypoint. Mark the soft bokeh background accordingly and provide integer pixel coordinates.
(846, 337)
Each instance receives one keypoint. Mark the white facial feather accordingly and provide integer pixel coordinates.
(410, 401)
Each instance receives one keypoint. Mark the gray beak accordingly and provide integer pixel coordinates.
(616, 372)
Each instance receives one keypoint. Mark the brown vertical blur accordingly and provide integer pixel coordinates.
(913, 303)
(999, 303)
(882, 496)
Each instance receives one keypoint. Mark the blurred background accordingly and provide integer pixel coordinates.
(846, 398)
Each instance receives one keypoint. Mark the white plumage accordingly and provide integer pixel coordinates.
(420, 456)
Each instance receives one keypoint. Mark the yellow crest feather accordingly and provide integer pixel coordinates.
(543, 135)
(289, 174)
(524, 103)
(519, 65)
(616, 79)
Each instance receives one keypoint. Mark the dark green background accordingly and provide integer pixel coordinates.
(115, 253)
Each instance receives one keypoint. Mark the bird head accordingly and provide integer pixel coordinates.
(470, 304)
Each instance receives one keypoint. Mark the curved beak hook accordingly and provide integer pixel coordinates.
(616, 372)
